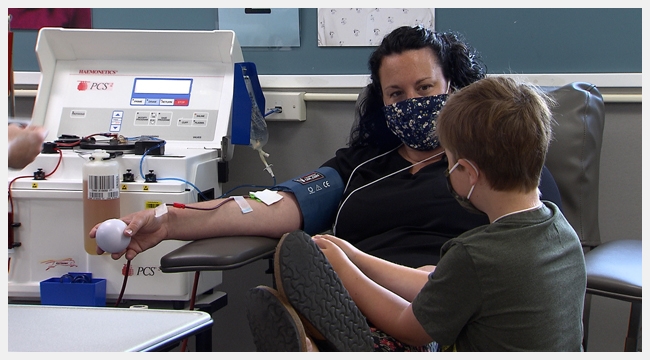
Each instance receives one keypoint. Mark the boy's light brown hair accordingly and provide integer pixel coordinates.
(503, 126)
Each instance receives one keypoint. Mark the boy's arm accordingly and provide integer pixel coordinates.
(402, 280)
(384, 309)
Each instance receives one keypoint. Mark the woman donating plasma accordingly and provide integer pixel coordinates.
(375, 199)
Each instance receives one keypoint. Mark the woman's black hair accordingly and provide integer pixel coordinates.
(460, 63)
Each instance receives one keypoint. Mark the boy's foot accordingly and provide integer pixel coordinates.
(274, 323)
(306, 279)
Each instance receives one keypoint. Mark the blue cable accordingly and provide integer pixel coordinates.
(188, 183)
(177, 179)
(146, 152)
(274, 110)
(194, 186)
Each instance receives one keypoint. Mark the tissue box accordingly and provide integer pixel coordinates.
(74, 289)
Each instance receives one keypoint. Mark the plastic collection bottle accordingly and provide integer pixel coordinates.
(101, 194)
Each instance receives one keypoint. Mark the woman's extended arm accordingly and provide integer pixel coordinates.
(146, 230)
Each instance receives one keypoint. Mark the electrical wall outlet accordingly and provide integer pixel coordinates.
(292, 105)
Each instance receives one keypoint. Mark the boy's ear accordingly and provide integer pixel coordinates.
(472, 169)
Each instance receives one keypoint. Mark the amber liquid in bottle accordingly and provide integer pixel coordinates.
(95, 212)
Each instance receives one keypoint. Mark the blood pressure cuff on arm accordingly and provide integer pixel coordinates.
(319, 194)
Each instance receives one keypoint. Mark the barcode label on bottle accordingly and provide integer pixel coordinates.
(104, 187)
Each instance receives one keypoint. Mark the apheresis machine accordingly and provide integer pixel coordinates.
(160, 104)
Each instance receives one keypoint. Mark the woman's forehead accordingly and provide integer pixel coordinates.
(411, 64)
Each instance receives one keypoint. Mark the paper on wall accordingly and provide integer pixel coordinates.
(367, 27)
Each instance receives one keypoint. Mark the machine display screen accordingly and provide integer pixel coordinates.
(161, 92)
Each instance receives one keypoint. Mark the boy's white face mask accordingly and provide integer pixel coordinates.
(464, 202)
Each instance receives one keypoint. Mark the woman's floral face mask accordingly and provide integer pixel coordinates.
(414, 120)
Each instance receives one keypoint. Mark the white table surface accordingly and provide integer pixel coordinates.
(98, 329)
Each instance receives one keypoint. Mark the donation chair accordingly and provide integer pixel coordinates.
(614, 267)
(614, 271)
(573, 160)
(217, 254)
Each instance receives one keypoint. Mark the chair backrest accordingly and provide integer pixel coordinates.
(574, 155)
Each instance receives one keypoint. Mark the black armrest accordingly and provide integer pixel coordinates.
(221, 253)
(614, 270)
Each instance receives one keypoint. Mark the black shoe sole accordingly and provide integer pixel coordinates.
(307, 280)
(275, 326)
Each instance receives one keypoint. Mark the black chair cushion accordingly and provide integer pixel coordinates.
(614, 270)
(221, 253)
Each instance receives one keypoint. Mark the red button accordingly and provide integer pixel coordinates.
(181, 102)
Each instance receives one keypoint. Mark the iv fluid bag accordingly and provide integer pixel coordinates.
(259, 132)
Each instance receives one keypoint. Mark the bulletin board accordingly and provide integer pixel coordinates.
(367, 27)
